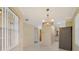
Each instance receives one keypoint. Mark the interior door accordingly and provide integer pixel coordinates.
(65, 38)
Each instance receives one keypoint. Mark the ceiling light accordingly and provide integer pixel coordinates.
(0, 12)
(48, 19)
(47, 23)
(43, 20)
(52, 20)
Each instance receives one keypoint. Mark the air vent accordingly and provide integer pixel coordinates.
(26, 19)
(47, 9)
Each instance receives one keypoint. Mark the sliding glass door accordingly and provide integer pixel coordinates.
(10, 29)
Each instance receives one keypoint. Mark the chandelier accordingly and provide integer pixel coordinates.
(48, 19)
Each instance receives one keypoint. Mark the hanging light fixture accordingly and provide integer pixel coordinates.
(47, 12)
(47, 16)
(48, 19)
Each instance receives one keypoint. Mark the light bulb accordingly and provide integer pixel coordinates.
(47, 23)
(52, 20)
(43, 20)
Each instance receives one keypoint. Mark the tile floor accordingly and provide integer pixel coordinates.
(54, 47)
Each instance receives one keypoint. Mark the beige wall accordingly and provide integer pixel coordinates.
(29, 35)
(28, 40)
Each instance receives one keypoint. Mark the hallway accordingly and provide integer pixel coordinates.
(39, 29)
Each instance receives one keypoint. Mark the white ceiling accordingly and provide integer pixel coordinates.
(37, 14)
